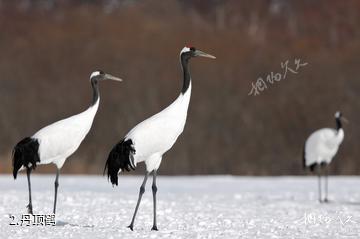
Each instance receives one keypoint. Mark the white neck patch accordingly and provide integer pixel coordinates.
(337, 114)
(185, 49)
(95, 73)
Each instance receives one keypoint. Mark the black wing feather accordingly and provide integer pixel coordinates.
(120, 157)
(25, 153)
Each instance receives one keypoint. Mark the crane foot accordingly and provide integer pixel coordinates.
(30, 210)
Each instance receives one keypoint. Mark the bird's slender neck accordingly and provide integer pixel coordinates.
(338, 124)
(186, 72)
(96, 93)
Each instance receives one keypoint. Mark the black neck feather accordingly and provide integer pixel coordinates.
(186, 71)
(96, 93)
(338, 124)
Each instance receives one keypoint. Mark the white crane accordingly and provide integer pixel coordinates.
(56, 142)
(150, 139)
(321, 147)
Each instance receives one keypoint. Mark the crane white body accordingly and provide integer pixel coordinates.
(61, 139)
(322, 146)
(156, 135)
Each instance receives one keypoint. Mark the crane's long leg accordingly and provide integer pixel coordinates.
(154, 190)
(30, 210)
(319, 179)
(56, 187)
(141, 192)
(326, 183)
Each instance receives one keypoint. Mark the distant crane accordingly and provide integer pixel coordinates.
(150, 139)
(56, 142)
(321, 147)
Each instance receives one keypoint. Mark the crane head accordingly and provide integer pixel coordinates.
(188, 52)
(100, 75)
(338, 115)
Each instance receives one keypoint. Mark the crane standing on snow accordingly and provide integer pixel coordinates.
(150, 139)
(56, 142)
(321, 147)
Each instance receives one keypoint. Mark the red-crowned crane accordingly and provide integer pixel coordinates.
(150, 139)
(321, 147)
(56, 142)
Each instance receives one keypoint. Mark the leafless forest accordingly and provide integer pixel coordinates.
(49, 48)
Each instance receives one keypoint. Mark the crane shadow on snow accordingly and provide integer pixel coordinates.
(342, 202)
(63, 223)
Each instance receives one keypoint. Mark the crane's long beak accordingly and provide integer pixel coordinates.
(345, 119)
(203, 54)
(110, 77)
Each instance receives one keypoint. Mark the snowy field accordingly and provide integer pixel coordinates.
(188, 207)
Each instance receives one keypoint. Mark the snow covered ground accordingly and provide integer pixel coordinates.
(188, 207)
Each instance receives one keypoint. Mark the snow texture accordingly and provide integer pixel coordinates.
(188, 207)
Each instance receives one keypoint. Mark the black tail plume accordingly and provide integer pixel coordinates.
(25, 153)
(303, 158)
(120, 157)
